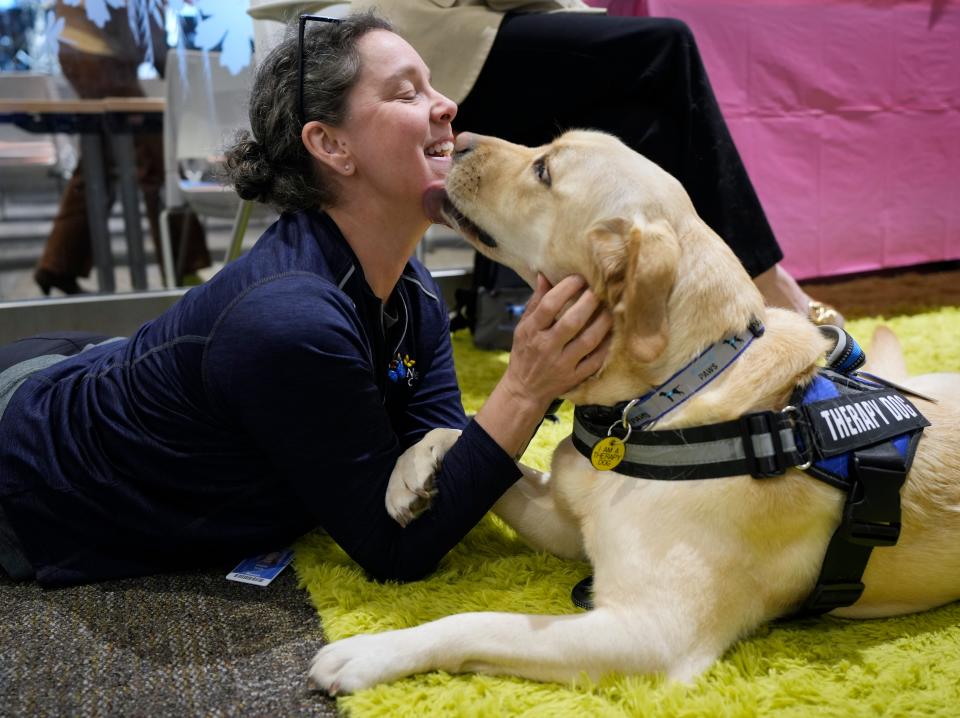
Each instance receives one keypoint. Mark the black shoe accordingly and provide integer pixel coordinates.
(47, 280)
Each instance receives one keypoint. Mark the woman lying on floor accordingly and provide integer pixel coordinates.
(277, 397)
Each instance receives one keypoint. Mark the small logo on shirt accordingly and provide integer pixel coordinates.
(400, 370)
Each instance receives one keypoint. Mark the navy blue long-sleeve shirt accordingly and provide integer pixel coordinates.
(273, 399)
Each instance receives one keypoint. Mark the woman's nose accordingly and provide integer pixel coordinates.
(445, 109)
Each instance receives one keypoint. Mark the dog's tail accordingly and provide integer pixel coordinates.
(885, 356)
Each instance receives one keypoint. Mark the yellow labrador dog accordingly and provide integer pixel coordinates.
(682, 568)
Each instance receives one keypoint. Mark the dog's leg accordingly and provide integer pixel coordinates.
(530, 509)
(411, 485)
(885, 359)
(542, 648)
(885, 356)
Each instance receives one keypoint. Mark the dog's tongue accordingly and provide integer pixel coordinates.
(433, 200)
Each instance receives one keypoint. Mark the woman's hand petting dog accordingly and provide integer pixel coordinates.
(561, 340)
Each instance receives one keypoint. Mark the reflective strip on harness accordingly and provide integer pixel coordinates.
(712, 457)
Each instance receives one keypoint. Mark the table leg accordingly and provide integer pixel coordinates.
(123, 151)
(96, 195)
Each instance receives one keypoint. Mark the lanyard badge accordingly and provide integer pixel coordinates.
(401, 370)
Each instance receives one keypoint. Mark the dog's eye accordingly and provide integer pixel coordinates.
(541, 171)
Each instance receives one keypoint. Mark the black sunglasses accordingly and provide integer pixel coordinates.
(303, 26)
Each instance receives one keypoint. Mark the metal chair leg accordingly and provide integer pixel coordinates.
(239, 229)
(166, 250)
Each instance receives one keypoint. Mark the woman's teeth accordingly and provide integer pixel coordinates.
(441, 149)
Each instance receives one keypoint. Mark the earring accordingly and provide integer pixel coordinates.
(347, 167)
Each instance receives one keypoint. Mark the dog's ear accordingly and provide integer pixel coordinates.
(635, 267)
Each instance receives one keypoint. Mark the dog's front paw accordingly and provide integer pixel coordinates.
(356, 663)
(411, 487)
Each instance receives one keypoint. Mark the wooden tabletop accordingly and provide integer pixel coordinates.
(83, 107)
(134, 104)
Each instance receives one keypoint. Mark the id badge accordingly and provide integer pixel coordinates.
(262, 569)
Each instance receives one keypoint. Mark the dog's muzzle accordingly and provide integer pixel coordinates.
(441, 210)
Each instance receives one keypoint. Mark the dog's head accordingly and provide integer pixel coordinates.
(587, 204)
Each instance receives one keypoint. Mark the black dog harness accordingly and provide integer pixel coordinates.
(854, 433)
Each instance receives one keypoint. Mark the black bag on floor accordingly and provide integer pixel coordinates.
(492, 307)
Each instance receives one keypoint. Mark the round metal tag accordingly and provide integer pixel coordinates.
(607, 453)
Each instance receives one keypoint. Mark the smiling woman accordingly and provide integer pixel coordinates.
(279, 396)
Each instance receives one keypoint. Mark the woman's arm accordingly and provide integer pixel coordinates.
(297, 385)
(300, 385)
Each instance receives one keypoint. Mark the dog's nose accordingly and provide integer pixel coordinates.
(464, 143)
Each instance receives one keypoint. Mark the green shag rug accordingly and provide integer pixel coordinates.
(906, 666)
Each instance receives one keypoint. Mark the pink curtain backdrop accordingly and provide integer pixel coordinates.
(847, 115)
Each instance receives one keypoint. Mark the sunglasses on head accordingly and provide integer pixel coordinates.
(303, 25)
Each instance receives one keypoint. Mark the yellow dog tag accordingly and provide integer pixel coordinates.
(607, 453)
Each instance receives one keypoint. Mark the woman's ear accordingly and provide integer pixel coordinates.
(323, 143)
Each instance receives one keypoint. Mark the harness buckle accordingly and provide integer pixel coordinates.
(762, 423)
(864, 533)
(872, 512)
(829, 595)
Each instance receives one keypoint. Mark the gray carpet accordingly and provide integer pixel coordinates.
(173, 645)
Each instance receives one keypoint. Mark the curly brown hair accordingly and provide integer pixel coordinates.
(271, 165)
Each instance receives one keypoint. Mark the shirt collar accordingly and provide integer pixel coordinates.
(344, 268)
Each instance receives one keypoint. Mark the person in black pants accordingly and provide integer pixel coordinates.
(639, 78)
